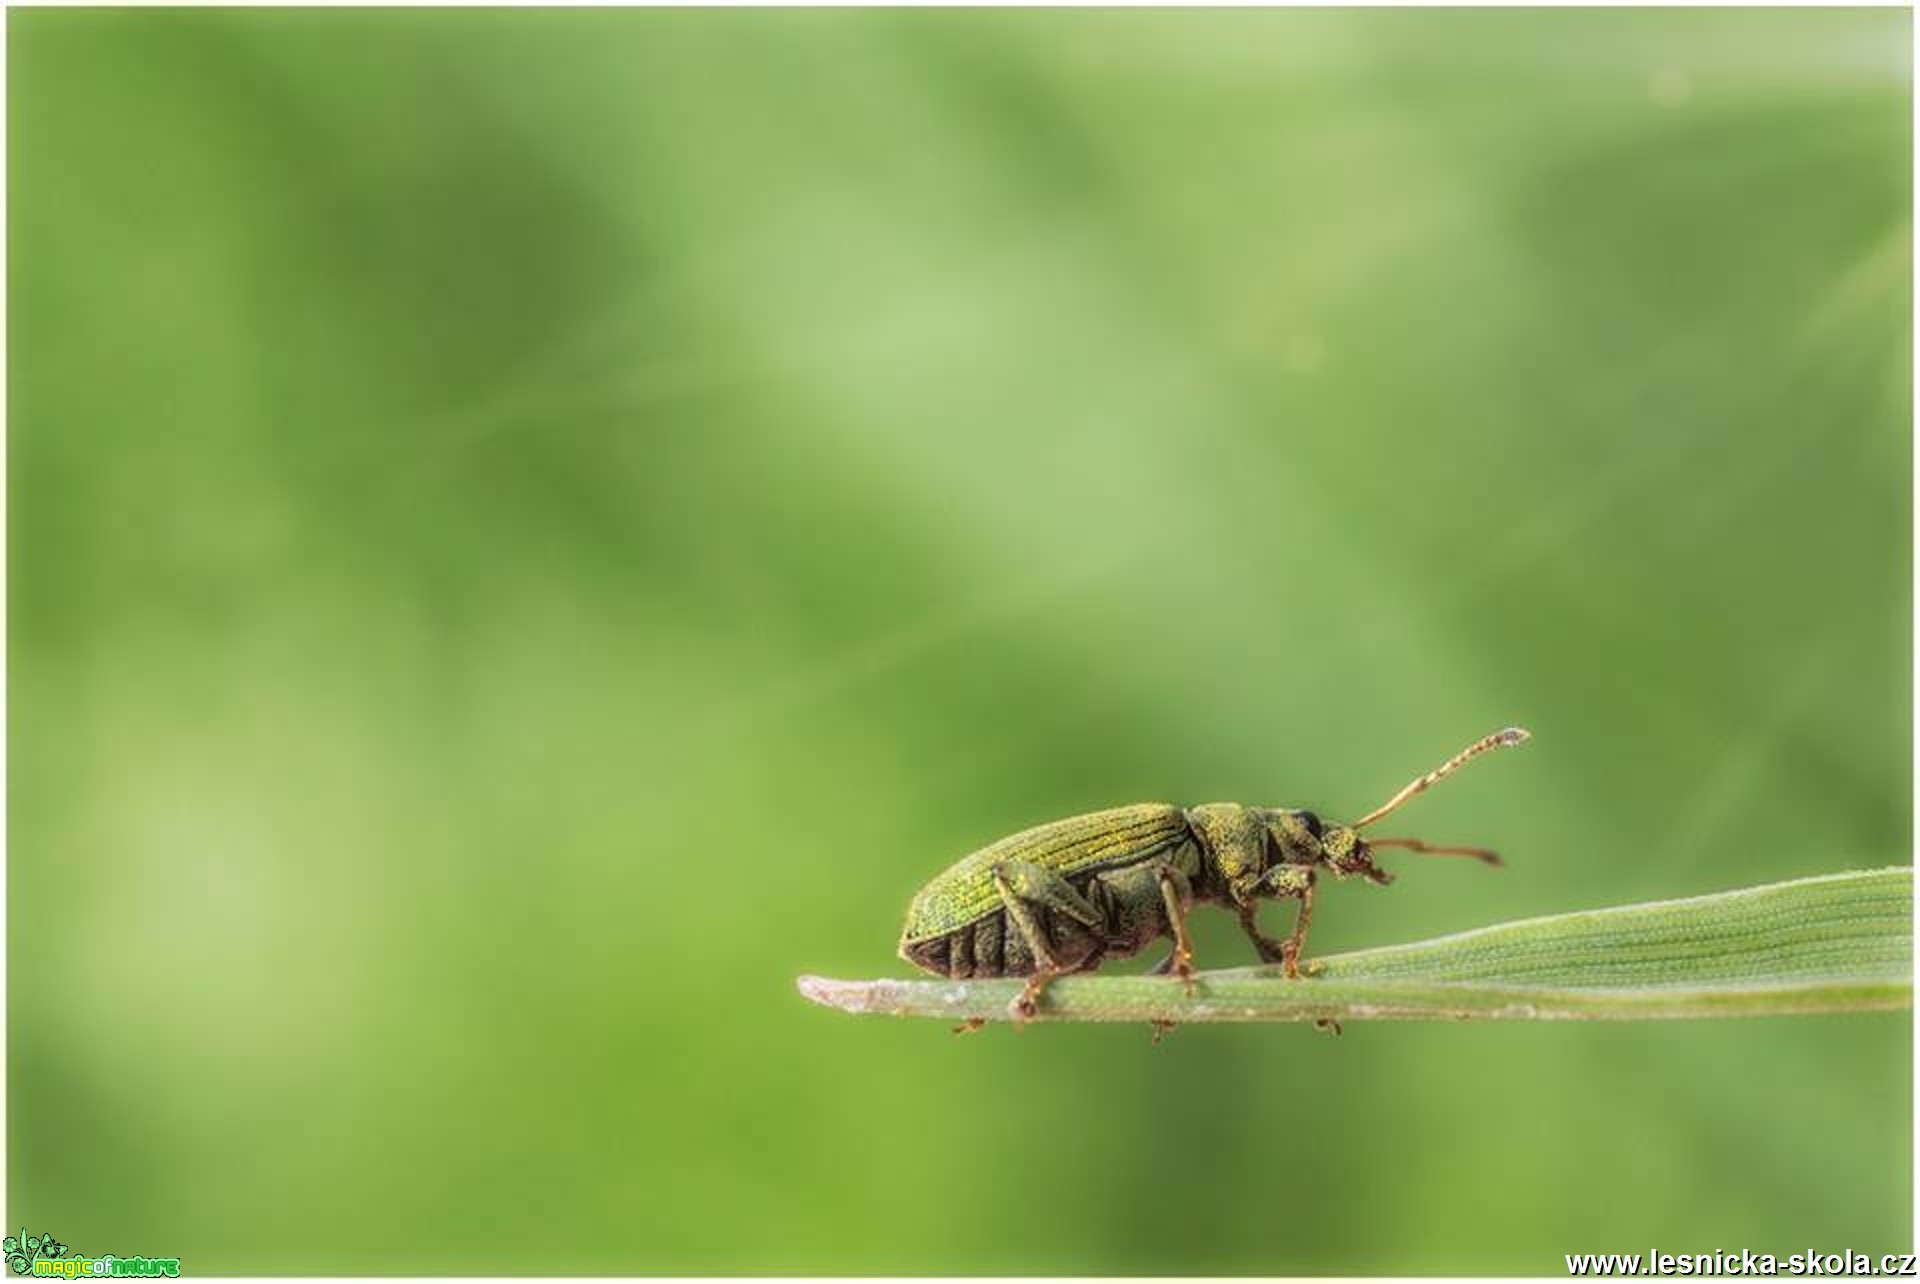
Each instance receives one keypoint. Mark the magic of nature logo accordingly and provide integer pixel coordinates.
(46, 1256)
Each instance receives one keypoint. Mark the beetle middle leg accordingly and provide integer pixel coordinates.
(1025, 888)
(1176, 898)
(1177, 895)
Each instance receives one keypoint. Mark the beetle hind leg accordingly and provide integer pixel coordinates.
(1026, 890)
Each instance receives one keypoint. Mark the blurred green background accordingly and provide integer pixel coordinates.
(530, 530)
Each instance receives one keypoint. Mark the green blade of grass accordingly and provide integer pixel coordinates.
(1836, 943)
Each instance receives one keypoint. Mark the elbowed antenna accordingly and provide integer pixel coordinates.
(1498, 740)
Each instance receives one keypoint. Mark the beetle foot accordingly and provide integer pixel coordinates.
(1327, 1025)
(1178, 964)
(1269, 950)
(970, 1025)
(1160, 1029)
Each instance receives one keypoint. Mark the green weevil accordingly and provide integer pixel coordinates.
(1065, 897)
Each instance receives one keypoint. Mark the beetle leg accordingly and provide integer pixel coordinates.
(1039, 885)
(1281, 882)
(1290, 952)
(1022, 886)
(1177, 895)
(1269, 950)
(1027, 1003)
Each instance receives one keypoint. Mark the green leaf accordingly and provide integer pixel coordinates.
(1836, 943)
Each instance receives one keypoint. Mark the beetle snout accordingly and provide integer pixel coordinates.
(1348, 855)
(1365, 868)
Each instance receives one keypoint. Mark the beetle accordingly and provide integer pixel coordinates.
(1067, 896)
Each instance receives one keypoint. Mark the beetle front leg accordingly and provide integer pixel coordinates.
(1022, 887)
(1290, 952)
(1269, 950)
(1282, 881)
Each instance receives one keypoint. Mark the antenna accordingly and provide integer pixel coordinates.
(1416, 845)
(1498, 740)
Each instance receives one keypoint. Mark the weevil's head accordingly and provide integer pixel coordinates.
(1347, 855)
(1301, 838)
(1298, 841)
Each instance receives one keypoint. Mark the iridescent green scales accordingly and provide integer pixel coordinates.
(1120, 836)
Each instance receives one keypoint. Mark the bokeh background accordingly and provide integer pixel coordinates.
(530, 530)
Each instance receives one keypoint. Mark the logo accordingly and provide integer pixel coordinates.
(24, 1250)
(45, 1256)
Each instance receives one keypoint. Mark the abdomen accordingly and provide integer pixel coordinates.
(991, 946)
